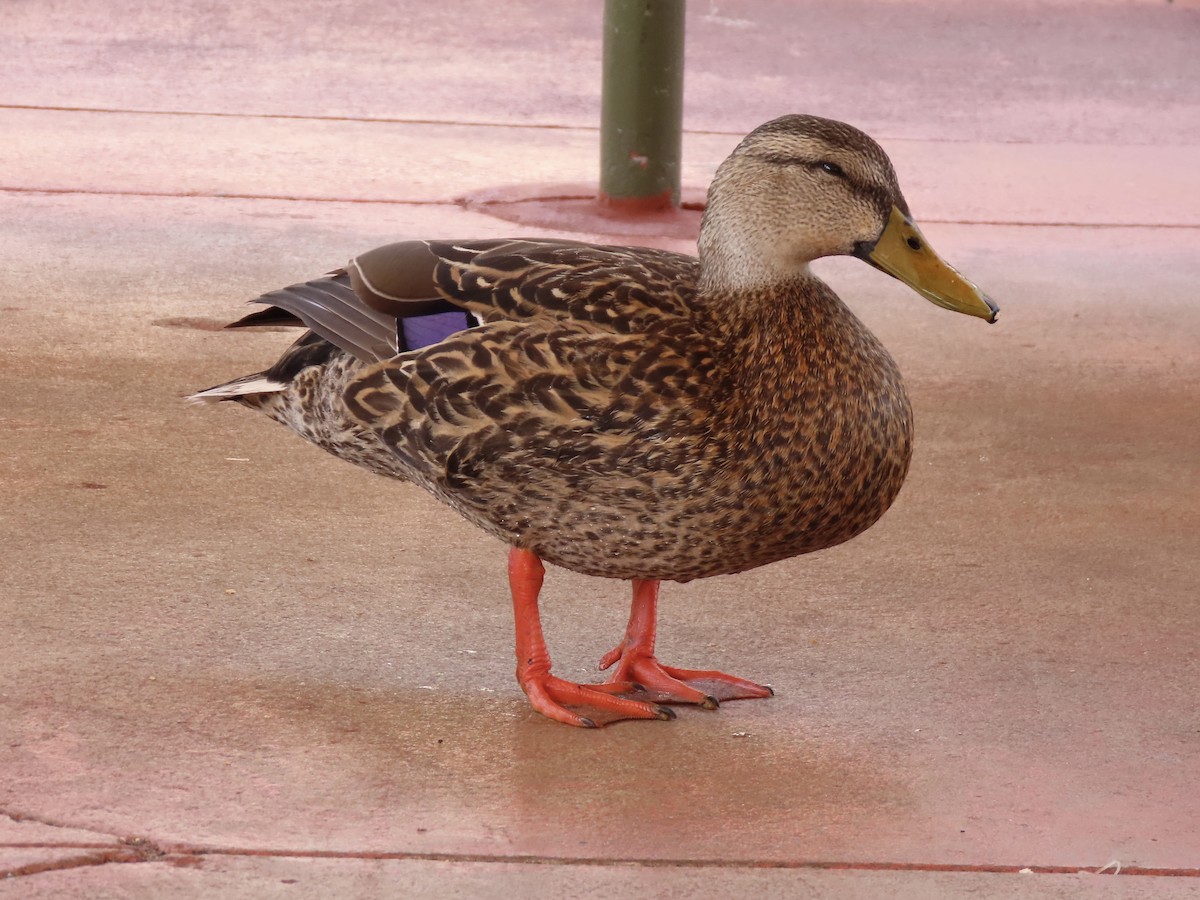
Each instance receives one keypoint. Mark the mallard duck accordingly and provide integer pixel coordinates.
(628, 412)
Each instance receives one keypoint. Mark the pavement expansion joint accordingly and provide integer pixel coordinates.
(528, 126)
(122, 853)
(137, 849)
(124, 850)
(380, 120)
(1113, 867)
(225, 195)
(496, 209)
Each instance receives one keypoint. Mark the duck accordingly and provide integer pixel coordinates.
(628, 412)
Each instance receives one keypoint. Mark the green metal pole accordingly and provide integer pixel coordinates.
(641, 105)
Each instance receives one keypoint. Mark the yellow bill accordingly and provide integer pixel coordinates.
(903, 253)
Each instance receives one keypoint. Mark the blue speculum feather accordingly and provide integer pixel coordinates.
(421, 331)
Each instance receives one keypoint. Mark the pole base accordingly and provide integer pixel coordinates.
(637, 206)
(576, 208)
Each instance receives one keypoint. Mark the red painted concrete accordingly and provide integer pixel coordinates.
(216, 637)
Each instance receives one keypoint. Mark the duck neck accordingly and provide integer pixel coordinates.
(743, 250)
(725, 270)
(732, 261)
(782, 318)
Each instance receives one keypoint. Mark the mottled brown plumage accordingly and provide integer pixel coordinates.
(623, 411)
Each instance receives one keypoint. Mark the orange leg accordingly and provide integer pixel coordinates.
(550, 695)
(665, 684)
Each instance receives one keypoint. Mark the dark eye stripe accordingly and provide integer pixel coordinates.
(823, 164)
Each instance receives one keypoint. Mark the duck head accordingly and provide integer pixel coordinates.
(801, 187)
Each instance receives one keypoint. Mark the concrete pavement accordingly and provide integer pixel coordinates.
(206, 689)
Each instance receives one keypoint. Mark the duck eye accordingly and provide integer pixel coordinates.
(832, 168)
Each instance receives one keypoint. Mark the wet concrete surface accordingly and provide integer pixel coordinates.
(225, 654)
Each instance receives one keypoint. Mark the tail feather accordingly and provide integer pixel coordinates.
(271, 316)
(339, 322)
(258, 383)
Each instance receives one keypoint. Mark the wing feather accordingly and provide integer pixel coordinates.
(619, 288)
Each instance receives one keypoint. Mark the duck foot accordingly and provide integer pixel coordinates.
(597, 704)
(588, 705)
(657, 683)
(637, 663)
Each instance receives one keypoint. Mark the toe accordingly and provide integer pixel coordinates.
(553, 696)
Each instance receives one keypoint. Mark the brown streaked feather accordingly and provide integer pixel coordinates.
(502, 419)
(631, 445)
(616, 287)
